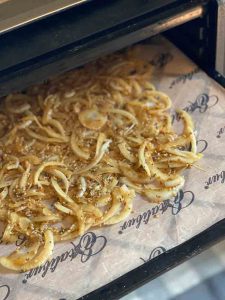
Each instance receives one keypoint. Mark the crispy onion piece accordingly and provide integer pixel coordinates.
(154, 194)
(76, 149)
(109, 169)
(113, 209)
(136, 187)
(58, 126)
(133, 175)
(63, 208)
(12, 187)
(47, 115)
(13, 162)
(3, 193)
(103, 200)
(19, 258)
(21, 221)
(161, 99)
(51, 138)
(32, 159)
(51, 218)
(92, 210)
(123, 147)
(96, 160)
(124, 113)
(71, 204)
(120, 84)
(36, 261)
(61, 176)
(83, 187)
(188, 128)
(77, 228)
(42, 167)
(160, 194)
(24, 178)
(92, 119)
(17, 109)
(60, 192)
(70, 234)
(141, 156)
(8, 235)
(125, 197)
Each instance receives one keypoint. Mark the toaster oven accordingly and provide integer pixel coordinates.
(39, 39)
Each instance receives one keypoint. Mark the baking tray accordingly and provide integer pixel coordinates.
(185, 226)
(155, 267)
(160, 260)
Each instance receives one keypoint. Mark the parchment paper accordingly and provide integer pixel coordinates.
(103, 255)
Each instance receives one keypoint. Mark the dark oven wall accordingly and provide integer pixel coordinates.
(68, 39)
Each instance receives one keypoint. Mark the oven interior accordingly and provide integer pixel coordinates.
(68, 38)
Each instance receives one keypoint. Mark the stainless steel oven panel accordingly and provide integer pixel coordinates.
(16, 13)
(220, 43)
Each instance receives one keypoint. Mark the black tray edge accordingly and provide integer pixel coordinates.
(159, 265)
